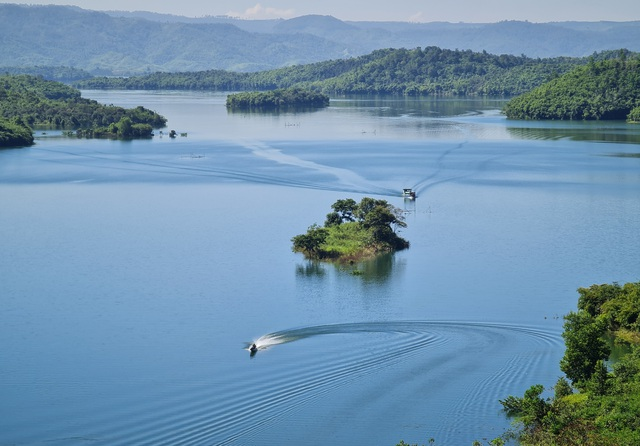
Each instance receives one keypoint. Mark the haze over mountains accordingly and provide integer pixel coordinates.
(123, 43)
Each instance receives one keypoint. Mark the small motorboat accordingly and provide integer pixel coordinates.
(409, 193)
(253, 348)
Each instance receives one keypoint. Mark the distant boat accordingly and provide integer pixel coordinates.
(409, 193)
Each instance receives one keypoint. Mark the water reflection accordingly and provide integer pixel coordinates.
(377, 270)
(579, 131)
(310, 268)
(270, 111)
(430, 107)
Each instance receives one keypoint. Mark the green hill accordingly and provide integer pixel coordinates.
(428, 71)
(607, 89)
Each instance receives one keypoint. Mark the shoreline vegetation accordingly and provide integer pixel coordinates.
(30, 101)
(599, 400)
(353, 232)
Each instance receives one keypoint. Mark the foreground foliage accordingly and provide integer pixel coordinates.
(34, 101)
(604, 410)
(608, 89)
(354, 231)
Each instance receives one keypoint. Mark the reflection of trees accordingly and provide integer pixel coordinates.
(576, 133)
(425, 107)
(310, 268)
(376, 270)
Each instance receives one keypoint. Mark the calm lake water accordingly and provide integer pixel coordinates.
(134, 274)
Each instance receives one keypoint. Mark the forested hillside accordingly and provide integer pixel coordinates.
(608, 89)
(102, 44)
(141, 43)
(428, 71)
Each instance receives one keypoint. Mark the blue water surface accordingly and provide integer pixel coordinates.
(135, 273)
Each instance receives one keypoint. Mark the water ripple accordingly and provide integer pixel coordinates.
(382, 363)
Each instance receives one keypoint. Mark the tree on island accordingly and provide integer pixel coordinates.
(353, 231)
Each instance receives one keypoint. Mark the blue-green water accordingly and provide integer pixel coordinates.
(134, 274)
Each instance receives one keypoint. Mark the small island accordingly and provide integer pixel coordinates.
(31, 101)
(277, 99)
(354, 231)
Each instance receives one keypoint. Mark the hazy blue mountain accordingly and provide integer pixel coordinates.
(101, 43)
(140, 42)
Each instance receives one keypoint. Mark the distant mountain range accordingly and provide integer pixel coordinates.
(124, 43)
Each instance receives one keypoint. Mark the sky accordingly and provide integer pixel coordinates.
(470, 11)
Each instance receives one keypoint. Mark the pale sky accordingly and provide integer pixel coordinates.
(472, 11)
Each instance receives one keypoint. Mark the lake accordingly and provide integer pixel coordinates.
(135, 273)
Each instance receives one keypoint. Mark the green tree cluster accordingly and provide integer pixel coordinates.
(48, 104)
(602, 403)
(634, 115)
(15, 133)
(353, 231)
(276, 99)
(606, 89)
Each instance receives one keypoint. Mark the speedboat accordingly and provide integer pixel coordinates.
(253, 348)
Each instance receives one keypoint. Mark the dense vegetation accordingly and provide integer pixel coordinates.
(15, 133)
(276, 99)
(353, 231)
(32, 101)
(604, 410)
(428, 71)
(608, 89)
(634, 115)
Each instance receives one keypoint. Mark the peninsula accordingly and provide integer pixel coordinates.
(354, 231)
(31, 101)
